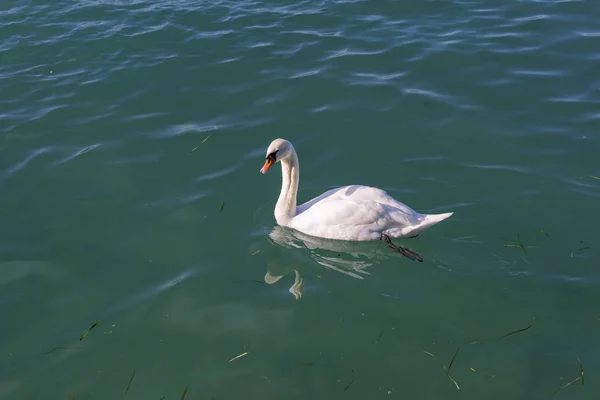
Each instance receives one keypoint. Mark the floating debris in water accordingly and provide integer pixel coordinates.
(448, 370)
(379, 338)
(57, 348)
(256, 252)
(130, 380)
(351, 382)
(580, 249)
(240, 356)
(222, 207)
(517, 331)
(595, 177)
(503, 336)
(88, 330)
(545, 233)
(205, 139)
(518, 243)
(565, 385)
(472, 369)
(251, 281)
(184, 393)
(306, 364)
(428, 353)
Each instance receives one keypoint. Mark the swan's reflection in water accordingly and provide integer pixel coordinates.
(349, 258)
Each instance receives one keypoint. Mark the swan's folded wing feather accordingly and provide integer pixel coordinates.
(351, 217)
(336, 218)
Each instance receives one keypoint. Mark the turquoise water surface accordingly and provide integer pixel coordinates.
(131, 138)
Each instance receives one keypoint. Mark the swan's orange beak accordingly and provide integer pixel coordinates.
(268, 164)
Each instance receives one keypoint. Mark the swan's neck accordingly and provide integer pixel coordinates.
(285, 209)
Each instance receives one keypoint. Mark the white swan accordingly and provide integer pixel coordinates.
(357, 213)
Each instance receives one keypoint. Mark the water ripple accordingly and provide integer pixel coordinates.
(372, 37)
(78, 153)
(22, 164)
(153, 290)
(217, 174)
(304, 74)
(542, 73)
(190, 128)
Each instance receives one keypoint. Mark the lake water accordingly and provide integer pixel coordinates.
(131, 138)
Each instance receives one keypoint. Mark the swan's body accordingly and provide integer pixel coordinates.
(358, 213)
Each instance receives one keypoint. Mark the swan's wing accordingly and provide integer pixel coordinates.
(357, 194)
(368, 193)
(357, 212)
(340, 213)
(327, 196)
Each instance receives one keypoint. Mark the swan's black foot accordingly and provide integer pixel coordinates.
(405, 252)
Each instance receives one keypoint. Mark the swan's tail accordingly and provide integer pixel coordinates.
(432, 219)
(427, 222)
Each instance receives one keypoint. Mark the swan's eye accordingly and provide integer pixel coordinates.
(272, 156)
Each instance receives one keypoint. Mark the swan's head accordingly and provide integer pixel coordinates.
(278, 150)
